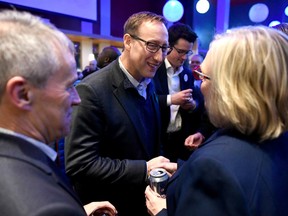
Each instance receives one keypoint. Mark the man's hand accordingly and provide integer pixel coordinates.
(189, 105)
(182, 97)
(158, 162)
(100, 208)
(194, 141)
(170, 168)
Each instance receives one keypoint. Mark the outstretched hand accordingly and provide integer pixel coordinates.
(194, 141)
(161, 162)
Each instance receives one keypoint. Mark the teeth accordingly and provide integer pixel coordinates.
(153, 65)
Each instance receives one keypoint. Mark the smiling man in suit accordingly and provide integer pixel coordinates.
(115, 136)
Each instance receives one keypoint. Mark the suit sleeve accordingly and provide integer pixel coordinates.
(163, 101)
(163, 212)
(206, 188)
(85, 143)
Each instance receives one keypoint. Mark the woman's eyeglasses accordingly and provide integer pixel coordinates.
(198, 75)
(153, 47)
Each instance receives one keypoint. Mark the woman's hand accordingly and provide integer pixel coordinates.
(154, 202)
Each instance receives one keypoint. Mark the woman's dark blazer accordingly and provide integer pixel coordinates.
(232, 175)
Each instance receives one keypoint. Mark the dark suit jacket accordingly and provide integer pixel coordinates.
(107, 149)
(31, 184)
(192, 121)
(232, 175)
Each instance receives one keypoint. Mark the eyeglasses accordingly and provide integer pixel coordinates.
(183, 52)
(198, 75)
(153, 47)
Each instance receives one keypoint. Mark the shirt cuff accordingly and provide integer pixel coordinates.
(169, 100)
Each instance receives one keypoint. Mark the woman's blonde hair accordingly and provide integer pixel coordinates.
(249, 86)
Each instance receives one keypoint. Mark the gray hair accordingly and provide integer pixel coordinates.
(29, 48)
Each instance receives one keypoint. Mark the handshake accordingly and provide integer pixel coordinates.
(161, 162)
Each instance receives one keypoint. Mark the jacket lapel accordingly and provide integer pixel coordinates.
(185, 80)
(120, 83)
(162, 76)
(158, 117)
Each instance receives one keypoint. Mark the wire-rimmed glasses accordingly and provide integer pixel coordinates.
(183, 52)
(198, 75)
(152, 46)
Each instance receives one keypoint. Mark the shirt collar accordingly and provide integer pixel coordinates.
(51, 153)
(134, 82)
(170, 69)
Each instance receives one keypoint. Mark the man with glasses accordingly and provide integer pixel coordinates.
(181, 104)
(115, 136)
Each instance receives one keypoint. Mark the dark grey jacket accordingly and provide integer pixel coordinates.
(107, 149)
(31, 184)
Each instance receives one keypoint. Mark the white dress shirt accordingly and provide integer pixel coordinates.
(174, 87)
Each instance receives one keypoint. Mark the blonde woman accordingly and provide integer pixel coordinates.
(243, 168)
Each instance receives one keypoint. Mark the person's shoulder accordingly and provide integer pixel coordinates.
(25, 185)
(103, 79)
(160, 74)
(100, 77)
(227, 145)
(162, 68)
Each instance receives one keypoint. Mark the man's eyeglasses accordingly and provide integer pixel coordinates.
(153, 47)
(198, 75)
(183, 52)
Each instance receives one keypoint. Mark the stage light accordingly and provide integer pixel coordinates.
(286, 11)
(173, 10)
(202, 6)
(91, 57)
(274, 23)
(258, 12)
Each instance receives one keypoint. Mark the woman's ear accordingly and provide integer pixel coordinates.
(19, 92)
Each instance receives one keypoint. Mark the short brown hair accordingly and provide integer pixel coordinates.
(134, 21)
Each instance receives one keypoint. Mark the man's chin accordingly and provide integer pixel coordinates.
(64, 132)
(151, 74)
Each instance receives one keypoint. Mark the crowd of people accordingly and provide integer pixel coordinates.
(105, 57)
(222, 141)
